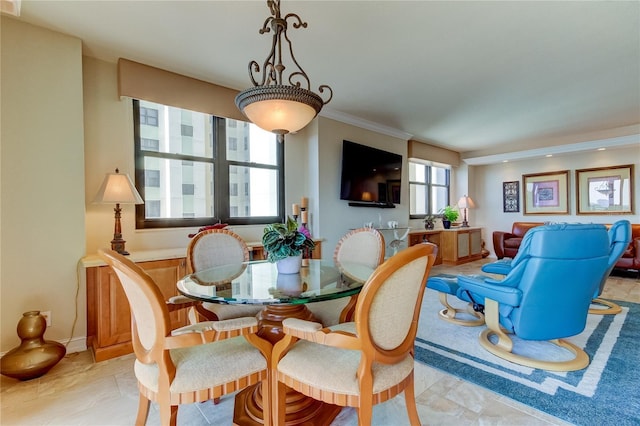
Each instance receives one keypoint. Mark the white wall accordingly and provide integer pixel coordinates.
(486, 189)
(42, 180)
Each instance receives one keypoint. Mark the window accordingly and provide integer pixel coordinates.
(188, 189)
(428, 189)
(152, 208)
(196, 181)
(232, 143)
(149, 116)
(149, 144)
(152, 178)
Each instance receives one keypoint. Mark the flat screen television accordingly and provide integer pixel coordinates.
(370, 176)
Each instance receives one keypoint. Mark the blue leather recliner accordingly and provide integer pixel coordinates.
(546, 294)
(619, 239)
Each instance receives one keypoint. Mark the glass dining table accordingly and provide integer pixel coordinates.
(283, 296)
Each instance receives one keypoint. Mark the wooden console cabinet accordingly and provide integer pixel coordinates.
(108, 314)
(461, 245)
(455, 246)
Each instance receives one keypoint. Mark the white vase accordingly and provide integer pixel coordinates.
(289, 265)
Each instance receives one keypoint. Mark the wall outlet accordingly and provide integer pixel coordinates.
(47, 316)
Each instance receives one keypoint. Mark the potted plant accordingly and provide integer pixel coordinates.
(449, 214)
(283, 241)
(429, 221)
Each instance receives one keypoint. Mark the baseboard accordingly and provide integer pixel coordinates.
(78, 344)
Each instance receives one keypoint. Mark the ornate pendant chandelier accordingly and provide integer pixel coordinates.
(278, 103)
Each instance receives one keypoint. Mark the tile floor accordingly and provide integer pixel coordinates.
(79, 391)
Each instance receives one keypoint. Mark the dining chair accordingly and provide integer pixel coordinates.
(190, 364)
(362, 246)
(361, 363)
(217, 247)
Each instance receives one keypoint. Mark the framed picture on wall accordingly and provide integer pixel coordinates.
(546, 193)
(511, 196)
(605, 190)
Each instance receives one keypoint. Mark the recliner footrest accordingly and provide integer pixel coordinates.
(447, 284)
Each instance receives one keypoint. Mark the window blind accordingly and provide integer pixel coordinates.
(140, 81)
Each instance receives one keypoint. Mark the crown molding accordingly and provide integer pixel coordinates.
(364, 124)
(592, 145)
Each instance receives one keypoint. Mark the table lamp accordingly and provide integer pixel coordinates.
(465, 203)
(117, 188)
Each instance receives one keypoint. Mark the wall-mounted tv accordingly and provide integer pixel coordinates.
(370, 176)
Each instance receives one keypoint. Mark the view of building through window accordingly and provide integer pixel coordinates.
(197, 166)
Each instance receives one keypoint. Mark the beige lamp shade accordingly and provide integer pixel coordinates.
(466, 203)
(117, 188)
(280, 116)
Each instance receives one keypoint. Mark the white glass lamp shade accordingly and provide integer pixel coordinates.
(279, 109)
(280, 116)
(466, 203)
(117, 188)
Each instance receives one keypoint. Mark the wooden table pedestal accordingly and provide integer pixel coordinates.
(300, 409)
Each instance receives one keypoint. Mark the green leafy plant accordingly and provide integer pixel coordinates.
(281, 240)
(429, 218)
(450, 213)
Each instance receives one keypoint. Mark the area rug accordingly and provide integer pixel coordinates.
(607, 392)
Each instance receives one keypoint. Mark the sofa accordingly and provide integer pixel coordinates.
(631, 257)
(506, 244)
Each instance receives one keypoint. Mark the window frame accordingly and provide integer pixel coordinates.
(221, 167)
(429, 185)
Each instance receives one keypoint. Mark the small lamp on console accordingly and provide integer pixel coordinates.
(117, 188)
(465, 203)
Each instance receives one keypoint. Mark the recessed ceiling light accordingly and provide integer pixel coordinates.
(602, 149)
(505, 161)
(549, 155)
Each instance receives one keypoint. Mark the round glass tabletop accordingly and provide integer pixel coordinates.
(258, 282)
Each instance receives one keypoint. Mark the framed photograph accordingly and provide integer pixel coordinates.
(546, 193)
(605, 190)
(511, 196)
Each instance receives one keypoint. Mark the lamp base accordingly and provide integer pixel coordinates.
(117, 245)
(465, 224)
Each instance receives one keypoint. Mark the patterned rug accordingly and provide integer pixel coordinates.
(607, 392)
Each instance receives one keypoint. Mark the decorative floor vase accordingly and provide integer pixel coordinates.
(35, 356)
(289, 265)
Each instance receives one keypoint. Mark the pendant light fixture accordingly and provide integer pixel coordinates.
(280, 102)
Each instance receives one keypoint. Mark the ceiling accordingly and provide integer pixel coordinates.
(491, 80)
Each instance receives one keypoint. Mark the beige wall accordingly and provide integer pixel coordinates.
(42, 179)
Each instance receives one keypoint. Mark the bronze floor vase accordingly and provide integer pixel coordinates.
(35, 356)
